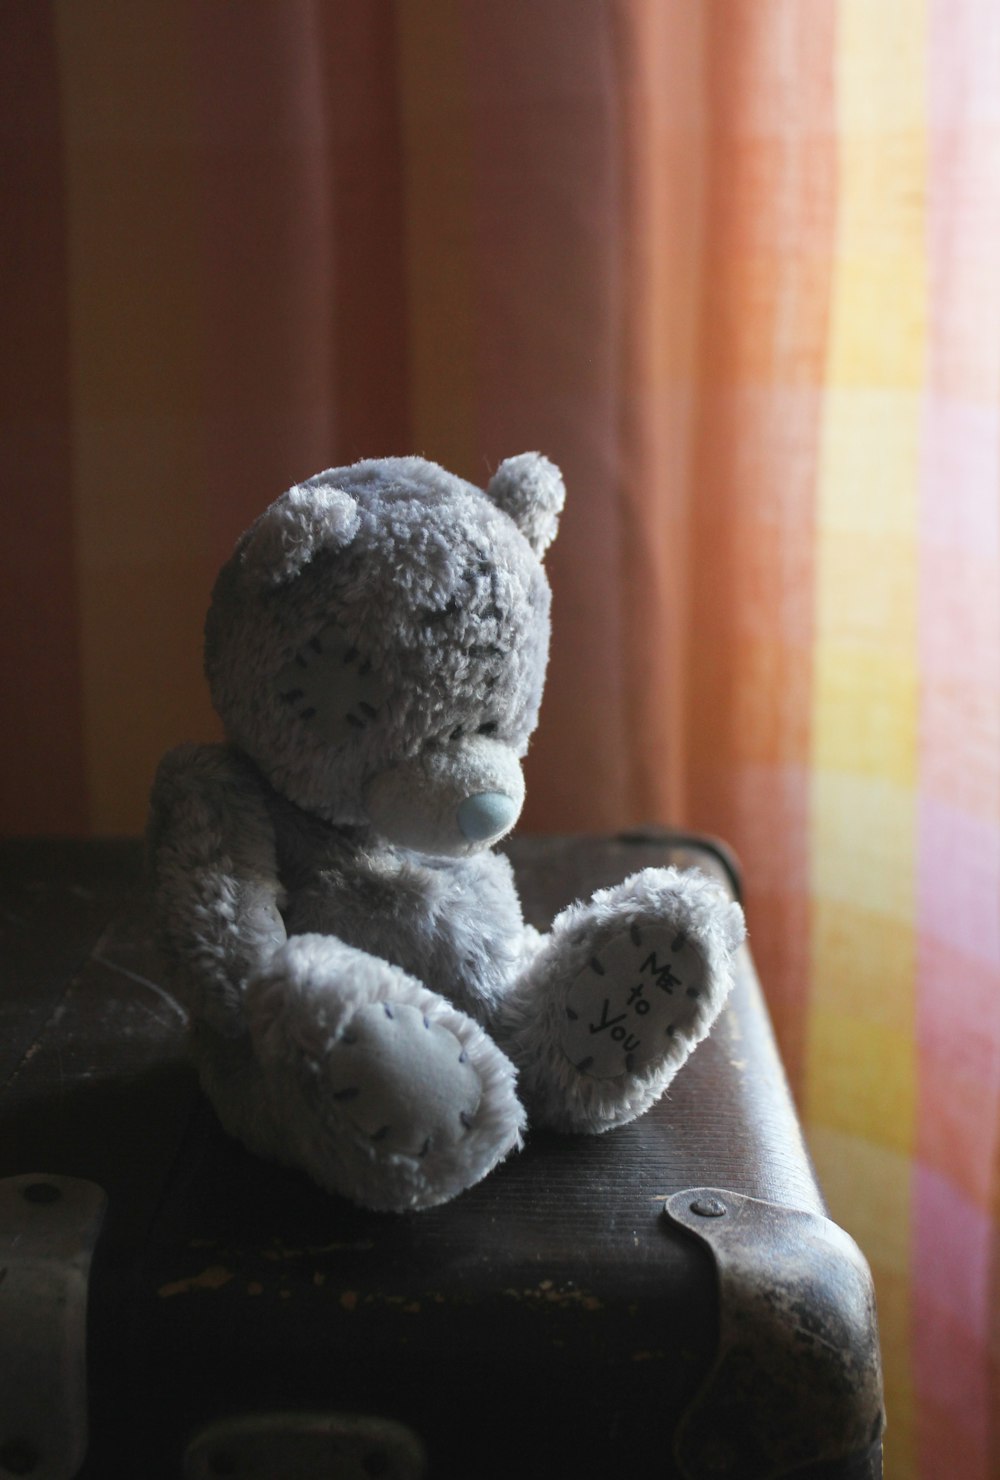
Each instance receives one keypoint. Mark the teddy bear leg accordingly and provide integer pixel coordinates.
(380, 1089)
(620, 993)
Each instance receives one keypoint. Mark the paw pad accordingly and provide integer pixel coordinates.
(639, 990)
(403, 1081)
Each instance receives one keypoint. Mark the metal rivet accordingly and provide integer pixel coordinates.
(19, 1457)
(708, 1207)
(41, 1192)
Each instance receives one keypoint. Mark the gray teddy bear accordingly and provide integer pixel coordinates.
(366, 1001)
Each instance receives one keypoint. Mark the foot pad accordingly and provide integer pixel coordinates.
(405, 1083)
(640, 989)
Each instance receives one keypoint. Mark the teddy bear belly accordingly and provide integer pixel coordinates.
(440, 925)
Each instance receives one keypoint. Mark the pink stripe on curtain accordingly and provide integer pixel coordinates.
(771, 191)
(956, 1248)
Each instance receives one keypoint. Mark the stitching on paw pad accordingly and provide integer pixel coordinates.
(624, 1007)
(403, 1081)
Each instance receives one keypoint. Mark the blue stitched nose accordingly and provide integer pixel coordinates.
(486, 815)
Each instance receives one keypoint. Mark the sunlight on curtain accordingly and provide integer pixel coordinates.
(855, 276)
(734, 266)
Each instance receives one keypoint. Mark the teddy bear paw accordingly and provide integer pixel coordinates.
(384, 1091)
(421, 1104)
(629, 983)
(404, 1083)
(637, 1001)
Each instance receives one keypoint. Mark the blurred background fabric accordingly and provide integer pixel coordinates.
(735, 266)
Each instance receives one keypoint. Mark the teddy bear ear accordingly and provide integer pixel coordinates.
(530, 490)
(310, 518)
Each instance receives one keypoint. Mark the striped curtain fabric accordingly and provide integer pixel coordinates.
(734, 265)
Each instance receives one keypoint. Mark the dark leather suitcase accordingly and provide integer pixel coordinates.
(668, 1299)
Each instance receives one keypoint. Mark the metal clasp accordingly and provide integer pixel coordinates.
(797, 1378)
(48, 1229)
(308, 1446)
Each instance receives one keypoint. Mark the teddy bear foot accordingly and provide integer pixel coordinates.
(382, 1090)
(629, 984)
(418, 1099)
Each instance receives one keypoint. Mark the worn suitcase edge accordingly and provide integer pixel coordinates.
(797, 1379)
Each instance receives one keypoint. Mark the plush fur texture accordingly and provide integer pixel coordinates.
(366, 1000)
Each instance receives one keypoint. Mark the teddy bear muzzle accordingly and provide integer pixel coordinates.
(452, 799)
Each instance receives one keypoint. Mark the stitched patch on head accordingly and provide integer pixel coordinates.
(331, 686)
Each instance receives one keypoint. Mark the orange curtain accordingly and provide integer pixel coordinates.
(731, 263)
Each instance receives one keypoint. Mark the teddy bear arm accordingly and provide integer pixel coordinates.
(217, 894)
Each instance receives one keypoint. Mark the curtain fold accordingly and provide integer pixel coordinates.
(733, 266)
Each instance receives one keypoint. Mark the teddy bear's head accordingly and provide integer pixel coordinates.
(377, 645)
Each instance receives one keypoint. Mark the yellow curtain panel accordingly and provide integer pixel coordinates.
(734, 265)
